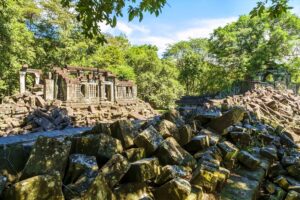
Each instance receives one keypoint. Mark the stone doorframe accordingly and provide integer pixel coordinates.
(103, 93)
(37, 75)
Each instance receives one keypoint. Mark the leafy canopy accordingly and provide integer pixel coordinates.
(92, 13)
(275, 10)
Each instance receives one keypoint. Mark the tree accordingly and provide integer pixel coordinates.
(277, 8)
(192, 60)
(16, 43)
(91, 13)
(157, 79)
(252, 45)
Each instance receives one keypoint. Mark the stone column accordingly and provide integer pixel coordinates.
(124, 92)
(102, 91)
(37, 78)
(134, 91)
(112, 92)
(22, 82)
(49, 89)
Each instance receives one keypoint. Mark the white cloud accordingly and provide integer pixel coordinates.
(203, 28)
(104, 28)
(167, 34)
(124, 28)
(140, 28)
(159, 41)
(296, 10)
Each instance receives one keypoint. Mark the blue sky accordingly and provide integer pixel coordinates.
(184, 19)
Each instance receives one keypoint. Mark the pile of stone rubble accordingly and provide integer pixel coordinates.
(275, 107)
(23, 113)
(179, 157)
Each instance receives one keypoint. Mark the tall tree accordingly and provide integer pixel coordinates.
(16, 42)
(192, 60)
(252, 45)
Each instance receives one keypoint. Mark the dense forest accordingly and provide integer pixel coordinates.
(44, 34)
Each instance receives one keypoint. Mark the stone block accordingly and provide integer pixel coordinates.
(80, 164)
(228, 119)
(185, 134)
(238, 187)
(196, 194)
(248, 160)
(114, 170)
(292, 195)
(135, 154)
(209, 177)
(198, 143)
(99, 190)
(229, 151)
(143, 170)
(123, 130)
(173, 116)
(42, 187)
(241, 138)
(13, 159)
(108, 146)
(169, 172)
(80, 175)
(149, 139)
(167, 128)
(171, 153)
(47, 155)
(132, 191)
(175, 189)
(269, 152)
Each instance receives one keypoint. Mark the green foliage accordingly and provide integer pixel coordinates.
(91, 13)
(237, 52)
(156, 79)
(123, 72)
(16, 43)
(252, 45)
(275, 10)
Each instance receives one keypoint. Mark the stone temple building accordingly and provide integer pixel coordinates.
(79, 85)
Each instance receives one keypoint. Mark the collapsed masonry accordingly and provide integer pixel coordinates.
(70, 96)
(188, 156)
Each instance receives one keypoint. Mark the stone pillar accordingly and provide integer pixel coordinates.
(116, 92)
(112, 92)
(55, 86)
(37, 78)
(102, 91)
(22, 82)
(49, 89)
(134, 91)
(68, 95)
(124, 92)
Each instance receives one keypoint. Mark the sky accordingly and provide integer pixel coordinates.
(184, 19)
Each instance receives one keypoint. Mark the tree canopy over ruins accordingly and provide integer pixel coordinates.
(44, 34)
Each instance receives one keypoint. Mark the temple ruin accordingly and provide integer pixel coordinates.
(78, 85)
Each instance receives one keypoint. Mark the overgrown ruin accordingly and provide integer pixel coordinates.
(79, 85)
(70, 96)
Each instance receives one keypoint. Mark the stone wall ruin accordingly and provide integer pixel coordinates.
(80, 85)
